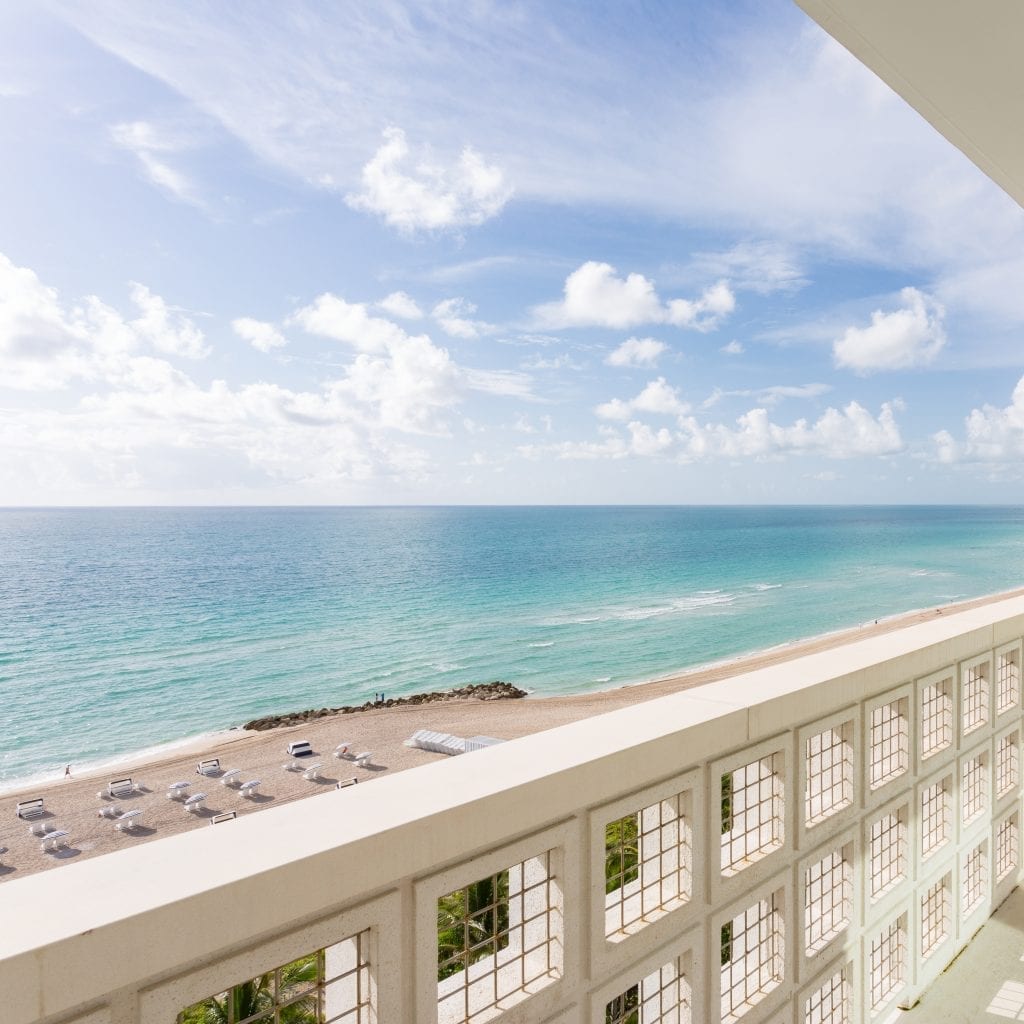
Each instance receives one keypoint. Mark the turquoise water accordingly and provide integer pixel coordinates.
(122, 629)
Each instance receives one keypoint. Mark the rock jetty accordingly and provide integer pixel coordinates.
(475, 691)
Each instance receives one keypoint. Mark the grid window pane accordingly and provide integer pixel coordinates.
(936, 717)
(648, 865)
(828, 899)
(973, 787)
(890, 742)
(936, 816)
(832, 1003)
(753, 956)
(1007, 763)
(888, 963)
(888, 852)
(330, 986)
(498, 940)
(974, 698)
(752, 813)
(936, 907)
(973, 879)
(663, 996)
(1007, 846)
(828, 764)
(1007, 681)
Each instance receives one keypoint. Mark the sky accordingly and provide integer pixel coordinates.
(489, 253)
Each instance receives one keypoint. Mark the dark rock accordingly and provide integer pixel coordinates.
(474, 691)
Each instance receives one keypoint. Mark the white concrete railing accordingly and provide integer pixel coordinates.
(845, 871)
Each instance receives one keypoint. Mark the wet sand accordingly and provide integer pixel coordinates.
(72, 804)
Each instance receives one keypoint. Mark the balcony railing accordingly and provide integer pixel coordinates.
(810, 842)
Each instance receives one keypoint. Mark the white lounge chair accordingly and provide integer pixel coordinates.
(129, 820)
(119, 788)
(110, 811)
(29, 809)
(178, 790)
(250, 788)
(363, 759)
(3, 850)
(479, 742)
(42, 828)
(342, 750)
(300, 748)
(195, 802)
(294, 766)
(211, 766)
(232, 778)
(312, 773)
(54, 841)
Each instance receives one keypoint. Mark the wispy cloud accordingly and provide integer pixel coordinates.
(155, 148)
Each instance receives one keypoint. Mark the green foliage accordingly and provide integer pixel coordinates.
(260, 996)
(624, 1009)
(472, 923)
(621, 852)
(726, 803)
(726, 938)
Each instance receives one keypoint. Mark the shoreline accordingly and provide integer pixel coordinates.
(73, 802)
(223, 737)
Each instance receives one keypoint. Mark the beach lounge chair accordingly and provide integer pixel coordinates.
(110, 811)
(312, 773)
(363, 759)
(178, 790)
(300, 748)
(29, 809)
(3, 850)
(250, 788)
(345, 783)
(129, 820)
(194, 802)
(42, 828)
(294, 766)
(232, 778)
(342, 750)
(119, 788)
(219, 819)
(54, 841)
(209, 767)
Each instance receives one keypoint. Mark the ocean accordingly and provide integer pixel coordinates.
(127, 629)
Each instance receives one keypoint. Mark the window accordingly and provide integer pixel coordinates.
(887, 963)
(753, 956)
(828, 899)
(828, 763)
(935, 916)
(890, 742)
(936, 717)
(888, 852)
(752, 813)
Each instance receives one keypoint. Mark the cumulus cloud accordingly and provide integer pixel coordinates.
(421, 196)
(350, 322)
(454, 317)
(657, 397)
(167, 330)
(258, 333)
(152, 147)
(991, 434)
(401, 305)
(734, 348)
(595, 296)
(912, 335)
(637, 352)
(844, 433)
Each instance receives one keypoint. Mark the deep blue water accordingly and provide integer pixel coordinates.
(121, 629)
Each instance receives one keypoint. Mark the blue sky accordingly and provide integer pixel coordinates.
(258, 253)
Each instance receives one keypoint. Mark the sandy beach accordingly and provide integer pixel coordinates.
(73, 805)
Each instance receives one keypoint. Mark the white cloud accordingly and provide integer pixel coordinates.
(991, 434)
(260, 334)
(637, 352)
(657, 397)
(426, 196)
(771, 395)
(734, 348)
(402, 305)
(910, 336)
(333, 317)
(152, 146)
(845, 433)
(761, 267)
(166, 329)
(594, 296)
(453, 315)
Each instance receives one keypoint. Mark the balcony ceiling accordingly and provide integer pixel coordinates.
(960, 65)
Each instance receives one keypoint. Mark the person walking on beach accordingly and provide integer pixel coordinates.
(67, 772)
